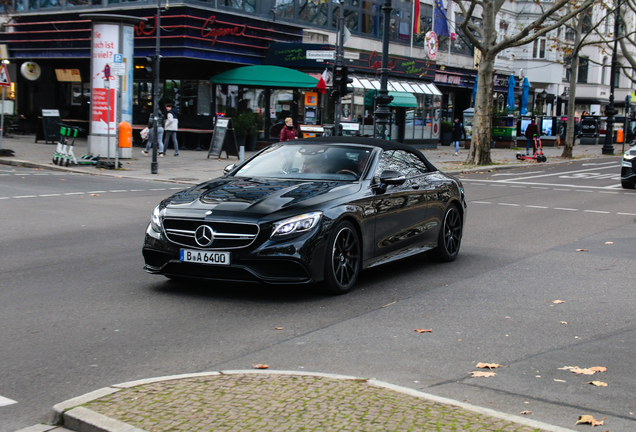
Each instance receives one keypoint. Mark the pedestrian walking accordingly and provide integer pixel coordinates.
(171, 128)
(531, 131)
(151, 135)
(288, 132)
(458, 131)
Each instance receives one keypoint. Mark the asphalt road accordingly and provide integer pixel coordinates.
(77, 312)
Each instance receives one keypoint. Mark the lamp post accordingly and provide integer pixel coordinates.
(608, 146)
(154, 166)
(383, 99)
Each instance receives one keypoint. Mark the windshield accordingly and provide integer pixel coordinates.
(309, 161)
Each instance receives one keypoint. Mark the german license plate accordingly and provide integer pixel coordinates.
(203, 257)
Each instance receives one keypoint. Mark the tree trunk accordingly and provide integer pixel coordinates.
(570, 136)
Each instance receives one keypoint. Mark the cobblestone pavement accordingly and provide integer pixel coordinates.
(267, 402)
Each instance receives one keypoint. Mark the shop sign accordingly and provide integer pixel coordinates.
(311, 98)
(320, 55)
(207, 31)
(449, 79)
(431, 45)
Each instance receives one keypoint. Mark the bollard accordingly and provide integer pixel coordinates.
(125, 135)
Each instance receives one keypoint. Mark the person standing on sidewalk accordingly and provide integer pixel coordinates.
(172, 125)
(531, 131)
(288, 132)
(458, 131)
(151, 134)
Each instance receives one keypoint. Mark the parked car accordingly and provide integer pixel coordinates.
(309, 210)
(628, 169)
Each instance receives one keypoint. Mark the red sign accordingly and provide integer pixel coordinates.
(5, 81)
(377, 64)
(207, 31)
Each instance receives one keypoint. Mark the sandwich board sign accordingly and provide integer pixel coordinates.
(223, 139)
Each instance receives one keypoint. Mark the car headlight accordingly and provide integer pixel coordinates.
(155, 220)
(628, 156)
(296, 224)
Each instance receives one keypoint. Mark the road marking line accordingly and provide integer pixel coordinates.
(50, 195)
(538, 187)
(507, 204)
(25, 196)
(499, 185)
(567, 190)
(74, 193)
(538, 207)
(627, 214)
(96, 192)
(160, 189)
(607, 192)
(579, 190)
(137, 190)
(596, 211)
(5, 197)
(481, 202)
(602, 163)
(561, 173)
(6, 401)
(478, 184)
(568, 209)
(518, 187)
(121, 190)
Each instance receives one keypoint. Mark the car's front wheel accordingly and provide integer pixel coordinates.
(343, 259)
(450, 236)
(627, 184)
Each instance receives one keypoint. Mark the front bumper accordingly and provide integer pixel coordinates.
(628, 169)
(295, 261)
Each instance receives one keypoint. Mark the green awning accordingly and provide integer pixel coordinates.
(265, 76)
(400, 99)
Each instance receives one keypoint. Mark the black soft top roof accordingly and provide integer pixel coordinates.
(375, 142)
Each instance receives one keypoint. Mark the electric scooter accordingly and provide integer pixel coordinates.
(538, 152)
(64, 155)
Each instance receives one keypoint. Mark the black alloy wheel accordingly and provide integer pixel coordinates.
(342, 263)
(450, 236)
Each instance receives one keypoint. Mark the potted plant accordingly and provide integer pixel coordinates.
(241, 123)
(447, 133)
(253, 129)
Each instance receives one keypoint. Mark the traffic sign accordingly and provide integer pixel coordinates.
(320, 55)
(118, 68)
(106, 72)
(5, 81)
(118, 58)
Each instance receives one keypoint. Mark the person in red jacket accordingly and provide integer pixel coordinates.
(288, 132)
(531, 131)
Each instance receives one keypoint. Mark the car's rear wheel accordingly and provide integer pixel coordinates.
(343, 259)
(450, 236)
(627, 184)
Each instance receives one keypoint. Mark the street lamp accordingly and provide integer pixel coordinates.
(383, 99)
(608, 147)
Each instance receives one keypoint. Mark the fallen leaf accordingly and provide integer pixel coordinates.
(609, 242)
(558, 301)
(591, 420)
(278, 328)
(94, 194)
(582, 250)
(599, 368)
(488, 365)
(558, 380)
(526, 412)
(483, 374)
(597, 383)
(583, 371)
(389, 304)
(424, 330)
(563, 322)
(260, 366)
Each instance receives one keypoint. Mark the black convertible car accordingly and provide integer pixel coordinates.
(310, 210)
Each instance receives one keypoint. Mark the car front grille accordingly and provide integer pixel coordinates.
(227, 235)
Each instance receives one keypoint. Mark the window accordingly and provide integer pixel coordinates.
(583, 69)
(313, 11)
(538, 49)
(246, 5)
(461, 45)
(587, 21)
(402, 161)
(570, 34)
(284, 8)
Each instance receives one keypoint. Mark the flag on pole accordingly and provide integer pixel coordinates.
(440, 22)
(416, 17)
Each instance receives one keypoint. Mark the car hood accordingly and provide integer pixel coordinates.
(256, 196)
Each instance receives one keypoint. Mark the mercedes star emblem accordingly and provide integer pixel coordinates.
(204, 236)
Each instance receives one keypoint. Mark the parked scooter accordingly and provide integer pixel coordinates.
(538, 152)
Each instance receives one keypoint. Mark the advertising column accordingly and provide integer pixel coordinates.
(112, 35)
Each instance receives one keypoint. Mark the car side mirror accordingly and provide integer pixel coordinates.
(392, 178)
(228, 168)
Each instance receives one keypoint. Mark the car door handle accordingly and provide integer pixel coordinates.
(415, 185)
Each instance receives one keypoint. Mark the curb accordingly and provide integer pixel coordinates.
(71, 414)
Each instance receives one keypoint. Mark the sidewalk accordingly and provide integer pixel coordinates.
(264, 400)
(193, 167)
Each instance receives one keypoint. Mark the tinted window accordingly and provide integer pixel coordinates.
(402, 161)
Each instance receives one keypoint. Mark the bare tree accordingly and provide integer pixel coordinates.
(547, 20)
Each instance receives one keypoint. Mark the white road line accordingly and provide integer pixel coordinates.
(478, 184)
(74, 193)
(616, 165)
(567, 190)
(137, 190)
(25, 196)
(592, 164)
(499, 185)
(480, 202)
(177, 188)
(6, 401)
(538, 187)
(160, 189)
(50, 195)
(562, 208)
(538, 207)
(627, 214)
(115, 191)
(579, 190)
(5, 197)
(97, 192)
(596, 211)
(507, 204)
(518, 187)
(608, 192)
